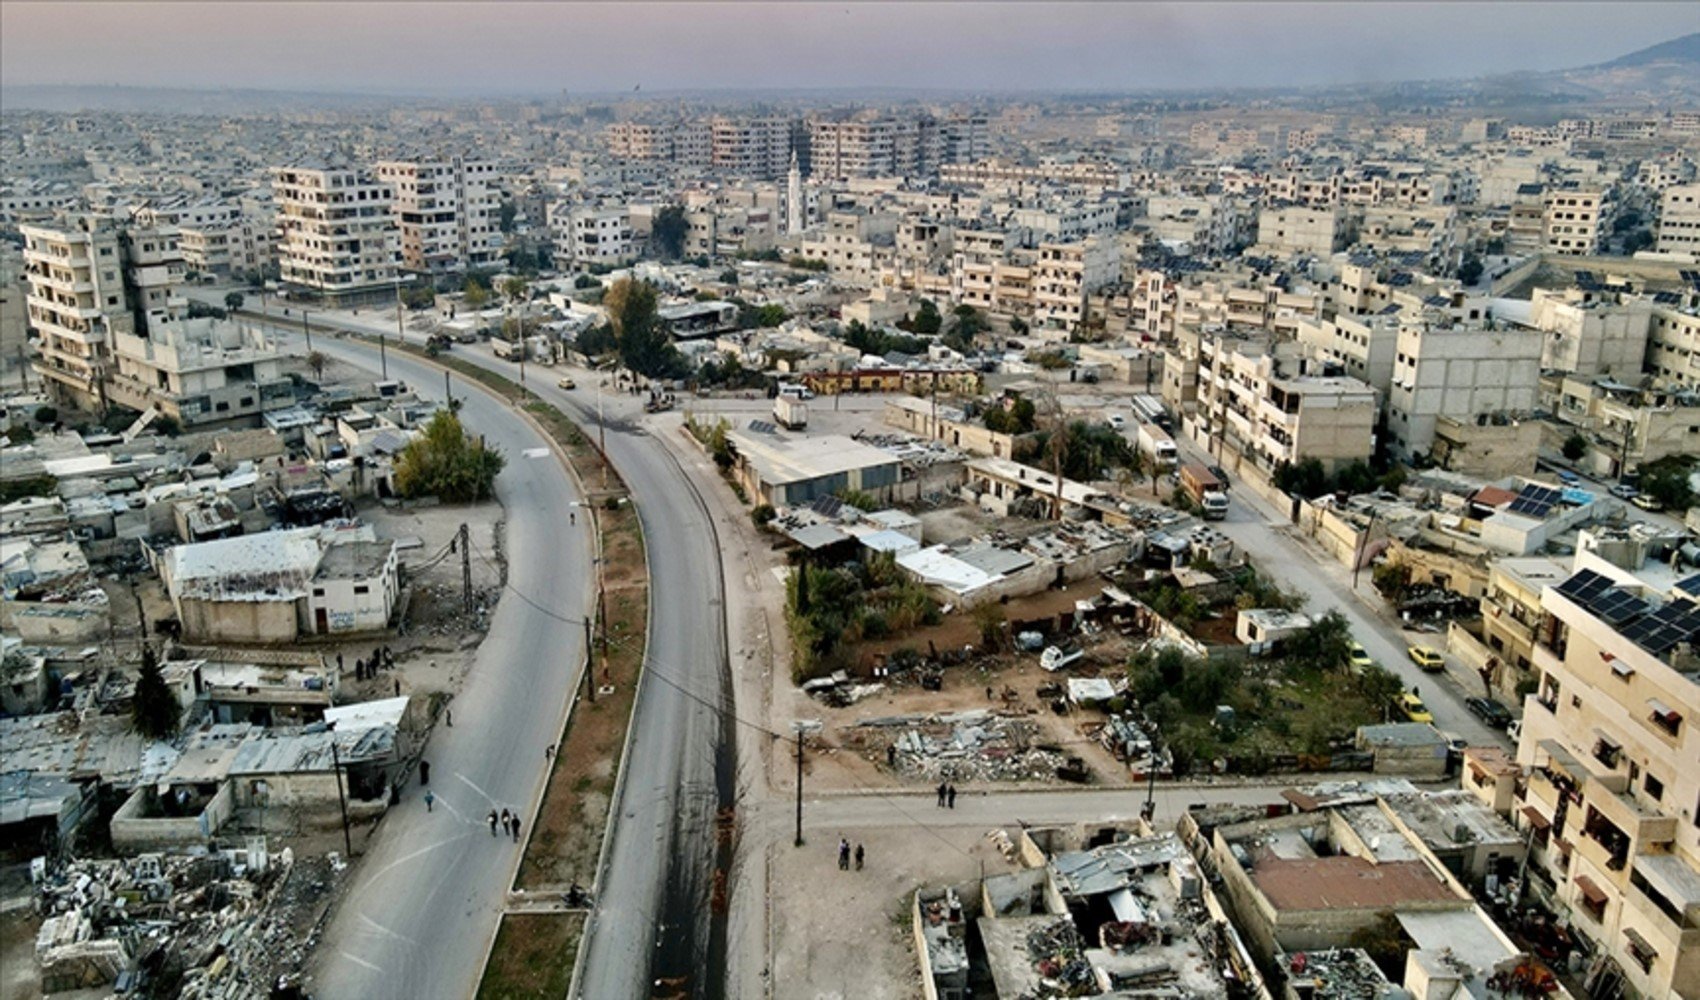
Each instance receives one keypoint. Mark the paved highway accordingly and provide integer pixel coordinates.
(653, 919)
(425, 899)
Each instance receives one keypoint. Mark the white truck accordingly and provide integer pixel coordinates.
(1158, 446)
(790, 412)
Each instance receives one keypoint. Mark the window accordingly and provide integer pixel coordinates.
(318, 591)
(361, 588)
(1654, 787)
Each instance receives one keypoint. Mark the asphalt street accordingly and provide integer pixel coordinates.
(653, 919)
(425, 900)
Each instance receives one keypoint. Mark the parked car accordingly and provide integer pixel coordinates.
(1412, 708)
(567, 383)
(1515, 730)
(1569, 478)
(1624, 491)
(1646, 502)
(1360, 656)
(1489, 711)
(1426, 658)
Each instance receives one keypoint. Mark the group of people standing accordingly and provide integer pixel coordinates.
(509, 822)
(364, 670)
(947, 795)
(844, 855)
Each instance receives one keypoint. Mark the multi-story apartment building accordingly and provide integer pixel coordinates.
(90, 281)
(1362, 345)
(337, 236)
(641, 140)
(447, 212)
(1511, 618)
(1627, 427)
(751, 147)
(1400, 229)
(1068, 173)
(1212, 224)
(1066, 274)
(1679, 220)
(1589, 335)
(1252, 401)
(228, 250)
(204, 373)
(855, 244)
(1612, 799)
(1573, 220)
(1462, 370)
(588, 235)
(1673, 342)
(1295, 229)
(868, 146)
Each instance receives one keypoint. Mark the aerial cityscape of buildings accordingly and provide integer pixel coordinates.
(1218, 544)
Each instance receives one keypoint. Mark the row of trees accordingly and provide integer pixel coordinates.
(1310, 479)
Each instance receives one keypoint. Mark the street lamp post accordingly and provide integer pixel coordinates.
(307, 331)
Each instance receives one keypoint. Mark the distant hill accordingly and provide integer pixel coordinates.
(1678, 50)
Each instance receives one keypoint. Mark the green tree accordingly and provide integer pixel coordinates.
(1469, 269)
(1327, 643)
(447, 463)
(506, 215)
(233, 300)
(316, 362)
(1575, 446)
(154, 711)
(770, 315)
(643, 342)
(477, 296)
(927, 320)
(669, 230)
(1668, 481)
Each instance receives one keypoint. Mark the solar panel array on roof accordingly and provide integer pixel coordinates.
(1690, 586)
(1535, 500)
(1412, 258)
(1660, 632)
(1438, 301)
(1400, 280)
(764, 427)
(827, 506)
(1585, 586)
(1390, 309)
(1667, 298)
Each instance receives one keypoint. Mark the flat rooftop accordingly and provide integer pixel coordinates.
(1348, 883)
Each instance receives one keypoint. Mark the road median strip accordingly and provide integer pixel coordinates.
(536, 953)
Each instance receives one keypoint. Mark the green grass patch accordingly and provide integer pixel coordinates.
(533, 956)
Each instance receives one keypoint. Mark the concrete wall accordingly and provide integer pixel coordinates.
(133, 832)
(239, 621)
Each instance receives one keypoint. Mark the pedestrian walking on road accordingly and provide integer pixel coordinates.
(339, 663)
(843, 855)
(859, 857)
(450, 716)
(430, 800)
(492, 822)
(516, 829)
(950, 796)
(359, 670)
(398, 687)
(942, 788)
(424, 772)
(891, 756)
(507, 821)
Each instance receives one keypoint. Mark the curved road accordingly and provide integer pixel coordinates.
(653, 921)
(425, 899)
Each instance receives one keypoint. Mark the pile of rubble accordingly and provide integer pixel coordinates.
(1060, 957)
(229, 925)
(976, 745)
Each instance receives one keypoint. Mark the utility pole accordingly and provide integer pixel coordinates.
(466, 567)
(307, 331)
(798, 727)
(589, 674)
(341, 797)
(448, 392)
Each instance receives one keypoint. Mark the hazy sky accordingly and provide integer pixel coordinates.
(482, 48)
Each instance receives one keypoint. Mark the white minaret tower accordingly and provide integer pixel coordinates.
(794, 197)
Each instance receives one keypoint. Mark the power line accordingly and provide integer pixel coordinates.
(652, 668)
